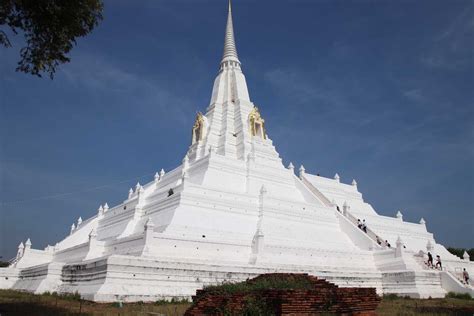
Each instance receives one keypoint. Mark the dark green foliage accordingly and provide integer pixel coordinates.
(257, 307)
(465, 296)
(65, 296)
(173, 301)
(3, 264)
(50, 28)
(261, 284)
(460, 251)
(161, 302)
(390, 297)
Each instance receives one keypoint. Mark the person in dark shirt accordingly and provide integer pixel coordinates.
(170, 192)
(430, 260)
(388, 244)
(378, 240)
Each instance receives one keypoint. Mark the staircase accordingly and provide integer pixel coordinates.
(12, 262)
(421, 261)
(459, 276)
(370, 233)
(451, 283)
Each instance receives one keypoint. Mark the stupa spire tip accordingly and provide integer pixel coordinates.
(230, 50)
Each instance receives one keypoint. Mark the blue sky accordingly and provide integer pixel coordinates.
(379, 91)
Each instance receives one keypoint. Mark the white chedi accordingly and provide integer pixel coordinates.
(302, 171)
(239, 213)
(291, 167)
(399, 215)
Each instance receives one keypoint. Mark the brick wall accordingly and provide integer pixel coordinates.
(320, 297)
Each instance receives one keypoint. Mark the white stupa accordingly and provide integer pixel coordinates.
(231, 211)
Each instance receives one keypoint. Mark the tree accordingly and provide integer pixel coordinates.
(50, 28)
(460, 252)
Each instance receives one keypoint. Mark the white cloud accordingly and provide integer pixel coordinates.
(414, 95)
(452, 47)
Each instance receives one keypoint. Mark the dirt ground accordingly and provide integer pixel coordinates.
(18, 303)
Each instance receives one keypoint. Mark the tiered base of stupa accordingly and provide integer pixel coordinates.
(173, 245)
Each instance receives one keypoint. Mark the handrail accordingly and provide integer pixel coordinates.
(12, 261)
(459, 276)
(315, 191)
(370, 233)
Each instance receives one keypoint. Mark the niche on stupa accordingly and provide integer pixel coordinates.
(257, 124)
(199, 128)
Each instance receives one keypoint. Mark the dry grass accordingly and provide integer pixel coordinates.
(442, 306)
(19, 303)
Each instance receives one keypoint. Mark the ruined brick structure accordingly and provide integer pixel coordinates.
(320, 297)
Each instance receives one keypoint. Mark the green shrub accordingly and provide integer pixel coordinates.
(67, 296)
(173, 300)
(117, 304)
(463, 296)
(161, 302)
(295, 283)
(71, 296)
(391, 296)
(256, 307)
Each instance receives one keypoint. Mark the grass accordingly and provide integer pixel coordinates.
(15, 303)
(52, 304)
(465, 296)
(394, 305)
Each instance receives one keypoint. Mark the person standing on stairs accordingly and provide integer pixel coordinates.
(438, 262)
(465, 276)
(430, 260)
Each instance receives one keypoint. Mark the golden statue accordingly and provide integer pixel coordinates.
(257, 124)
(198, 128)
